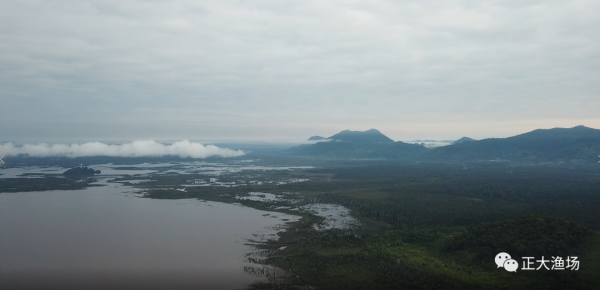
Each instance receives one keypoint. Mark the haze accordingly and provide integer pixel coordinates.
(272, 70)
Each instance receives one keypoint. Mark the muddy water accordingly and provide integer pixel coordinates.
(104, 237)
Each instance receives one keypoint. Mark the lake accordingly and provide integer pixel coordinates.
(107, 237)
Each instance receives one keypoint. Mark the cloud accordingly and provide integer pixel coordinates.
(133, 69)
(146, 148)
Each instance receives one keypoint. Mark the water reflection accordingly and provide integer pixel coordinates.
(101, 236)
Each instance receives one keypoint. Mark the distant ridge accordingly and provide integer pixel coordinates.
(369, 136)
(462, 140)
(316, 138)
(357, 144)
(576, 132)
(579, 143)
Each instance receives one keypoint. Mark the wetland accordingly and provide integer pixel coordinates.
(313, 223)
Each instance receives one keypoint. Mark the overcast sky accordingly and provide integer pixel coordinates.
(287, 70)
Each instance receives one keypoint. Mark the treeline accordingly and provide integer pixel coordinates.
(81, 171)
(447, 195)
(41, 184)
(527, 236)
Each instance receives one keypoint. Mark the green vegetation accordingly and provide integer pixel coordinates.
(426, 226)
(422, 225)
(41, 184)
(525, 236)
(81, 171)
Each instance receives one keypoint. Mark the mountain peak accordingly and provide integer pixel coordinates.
(316, 138)
(462, 140)
(369, 136)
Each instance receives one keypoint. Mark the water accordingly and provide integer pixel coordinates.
(146, 169)
(261, 196)
(336, 216)
(103, 237)
(18, 172)
(15, 172)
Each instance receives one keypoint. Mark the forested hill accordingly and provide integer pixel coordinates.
(369, 136)
(357, 144)
(575, 133)
(462, 140)
(559, 144)
(579, 144)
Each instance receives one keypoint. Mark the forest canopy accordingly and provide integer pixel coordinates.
(81, 171)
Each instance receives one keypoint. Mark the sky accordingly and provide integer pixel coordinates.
(266, 70)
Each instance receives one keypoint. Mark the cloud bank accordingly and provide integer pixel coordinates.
(146, 148)
(135, 70)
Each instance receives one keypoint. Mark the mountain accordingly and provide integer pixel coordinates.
(558, 144)
(574, 133)
(316, 138)
(356, 144)
(577, 144)
(462, 140)
(369, 136)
